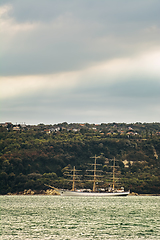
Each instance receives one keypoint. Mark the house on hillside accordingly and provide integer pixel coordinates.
(16, 128)
(48, 131)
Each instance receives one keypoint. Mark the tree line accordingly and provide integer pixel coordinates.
(30, 159)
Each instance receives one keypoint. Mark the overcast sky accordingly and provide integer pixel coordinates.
(79, 61)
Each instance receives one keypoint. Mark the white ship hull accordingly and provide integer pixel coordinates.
(92, 194)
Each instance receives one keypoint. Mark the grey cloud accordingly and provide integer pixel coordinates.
(89, 31)
(72, 35)
(121, 103)
(131, 87)
(141, 88)
(90, 10)
(71, 110)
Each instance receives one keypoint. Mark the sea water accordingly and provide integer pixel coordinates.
(58, 217)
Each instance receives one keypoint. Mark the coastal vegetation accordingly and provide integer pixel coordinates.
(32, 156)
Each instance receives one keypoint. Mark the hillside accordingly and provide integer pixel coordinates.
(31, 156)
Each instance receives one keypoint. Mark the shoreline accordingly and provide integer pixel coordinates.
(38, 194)
(55, 193)
(148, 194)
(35, 192)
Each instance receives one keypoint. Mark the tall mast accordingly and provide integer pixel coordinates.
(113, 172)
(74, 174)
(94, 182)
(95, 164)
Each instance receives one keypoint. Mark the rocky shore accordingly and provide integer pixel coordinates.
(36, 192)
(133, 194)
(143, 194)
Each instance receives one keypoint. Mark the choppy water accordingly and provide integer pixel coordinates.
(56, 217)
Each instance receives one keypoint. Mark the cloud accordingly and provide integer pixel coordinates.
(116, 73)
(55, 36)
(16, 86)
(97, 107)
(80, 60)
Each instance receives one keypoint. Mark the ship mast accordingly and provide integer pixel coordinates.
(95, 170)
(94, 181)
(74, 174)
(74, 178)
(113, 173)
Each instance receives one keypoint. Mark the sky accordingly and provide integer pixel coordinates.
(79, 61)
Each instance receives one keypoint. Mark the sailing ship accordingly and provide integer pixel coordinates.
(95, 192)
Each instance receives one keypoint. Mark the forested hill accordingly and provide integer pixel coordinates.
(31, 156)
